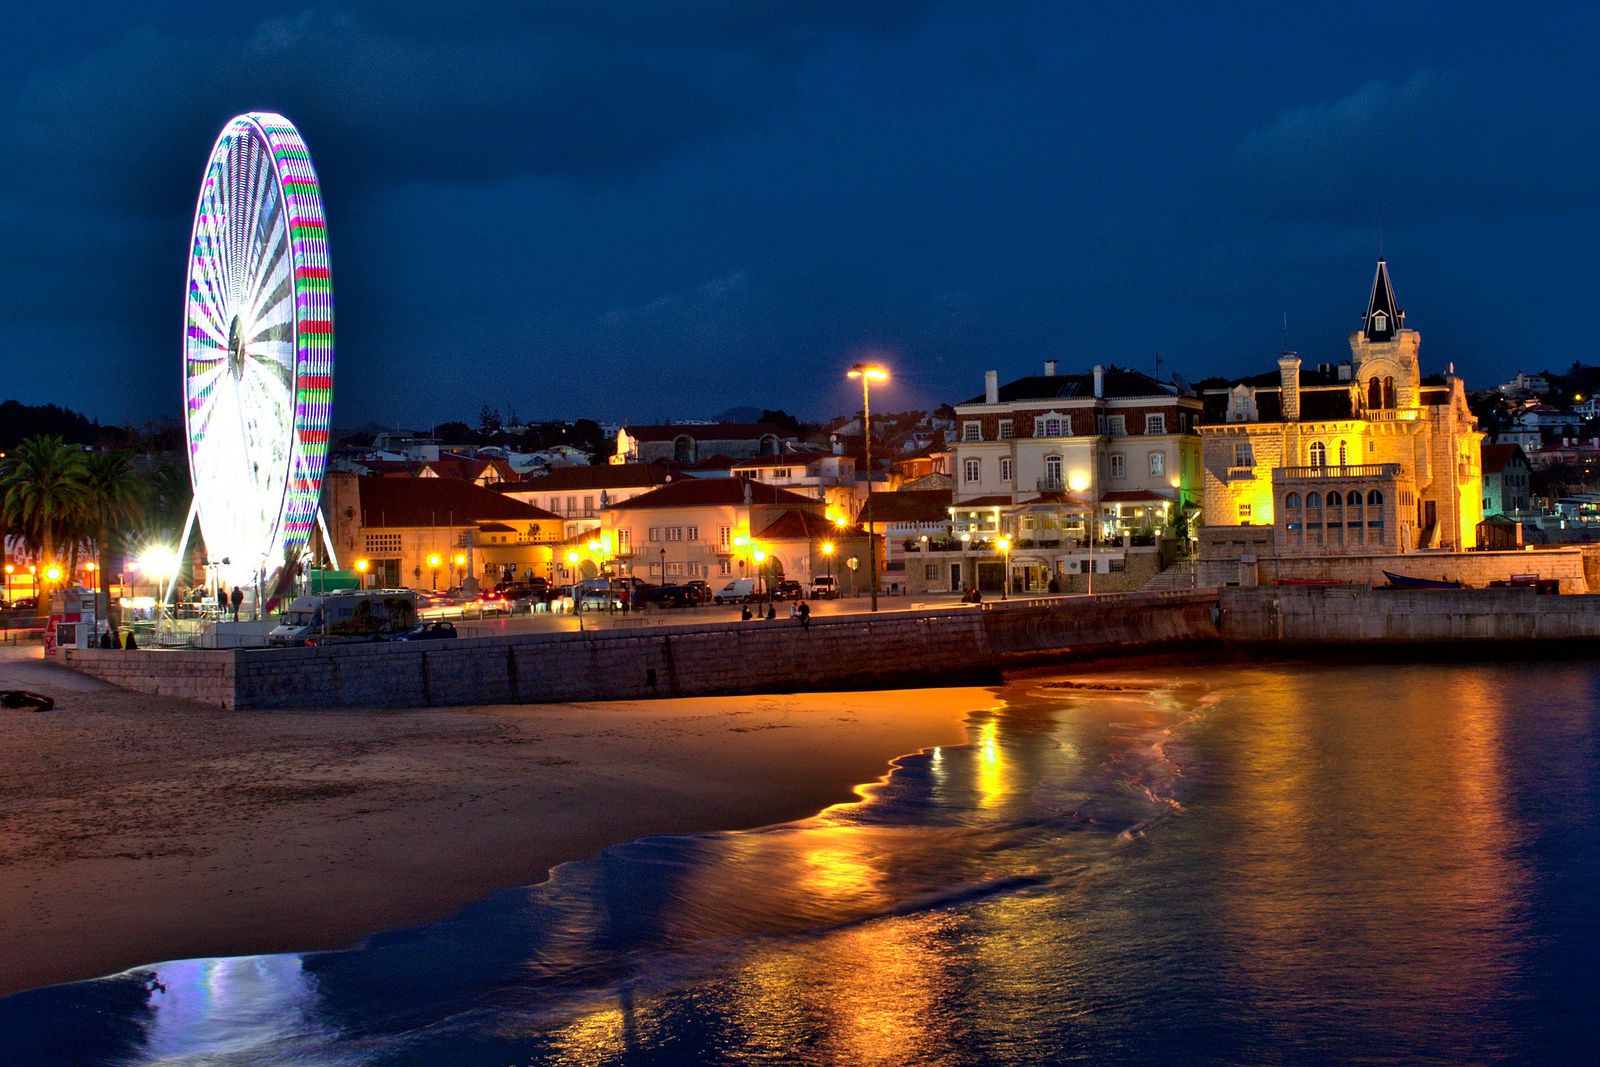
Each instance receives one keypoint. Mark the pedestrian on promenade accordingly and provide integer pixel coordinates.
(236, 599)
(804, 611)
(772, 613)
(744, 615)
(222, 600)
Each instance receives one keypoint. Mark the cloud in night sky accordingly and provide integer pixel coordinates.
(650, 209)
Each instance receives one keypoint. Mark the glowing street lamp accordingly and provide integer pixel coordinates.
(433, 568)
(1080, 482)
(362, 566)
(1004, 545)
(827, 552)
(11, 568)
(869, 373)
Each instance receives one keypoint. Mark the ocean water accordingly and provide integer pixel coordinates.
(1281, 864)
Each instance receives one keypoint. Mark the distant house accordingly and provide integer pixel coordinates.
(1505, 480)
(688, 443)
(428, 532)
(579, 494)
(714, 528)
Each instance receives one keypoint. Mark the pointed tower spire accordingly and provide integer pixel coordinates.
(1383, 317)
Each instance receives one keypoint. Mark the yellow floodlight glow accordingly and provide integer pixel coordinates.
(461, 559)
(10, 568)
(90, 567)
(1079, 481)
(827, 548)
(594, 546)
(362, 565)
(158, 561)
(52, 573)
(840, 521)
(433, 560)
(741, 541)
(1004, 544)
(873, 372)
(758, 555)
(573, 557)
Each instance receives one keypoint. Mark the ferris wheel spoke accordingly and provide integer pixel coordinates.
(275, 287)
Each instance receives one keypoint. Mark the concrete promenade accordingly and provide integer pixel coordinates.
(929, 645)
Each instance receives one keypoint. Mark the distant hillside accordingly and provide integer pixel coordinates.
(18, 420)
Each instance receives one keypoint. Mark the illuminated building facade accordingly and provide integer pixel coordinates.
(1364, 458)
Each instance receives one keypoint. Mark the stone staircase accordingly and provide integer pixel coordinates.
(1177, 578)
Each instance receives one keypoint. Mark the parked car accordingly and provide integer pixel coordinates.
(670, 596)
(738, 591)
(699, 592)
(597, 594)
(428, 631)
(824, 587)
(25, 603)
(788, 589)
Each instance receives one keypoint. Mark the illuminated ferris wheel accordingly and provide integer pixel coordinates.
(258, 351)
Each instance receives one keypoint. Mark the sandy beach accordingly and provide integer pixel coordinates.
(135, 829)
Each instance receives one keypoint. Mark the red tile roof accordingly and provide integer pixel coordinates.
(713, 492)
(1495, 457)
(806, 526)
(908, 505)
(438, 502)
(599, 476)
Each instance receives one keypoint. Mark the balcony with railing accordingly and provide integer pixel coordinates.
(1348, 470)
(1241, 474)
(1055, 484)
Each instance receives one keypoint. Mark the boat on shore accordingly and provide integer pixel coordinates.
(1405, 581)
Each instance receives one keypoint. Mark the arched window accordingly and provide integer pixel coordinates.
(1335, 518)
(1291, 515)
(1335, 500)
(1388, 392)
(683, 449)
(1314, 500)
(1374, 499)
(1344, 453)
(1292, 501)
(1374, 517)
(1352, 516)
(1374, 393)
(769, 445)
(1319, 454)
(1313, 518)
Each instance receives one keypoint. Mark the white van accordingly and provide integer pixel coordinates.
(349, 614)
(738, 591)
(824, 587)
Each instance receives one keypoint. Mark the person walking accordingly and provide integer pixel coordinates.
(222, 600)
(236, 599)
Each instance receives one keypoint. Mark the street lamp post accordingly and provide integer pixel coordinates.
(1004, 545)
(869, 373)
(827, 554)
(433, 568)
(1080, 482)
(361, 571)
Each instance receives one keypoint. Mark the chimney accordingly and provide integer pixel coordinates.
(838, 445)
(1289, 377)
(1099, 380)
(1049, 368)
(991, 387)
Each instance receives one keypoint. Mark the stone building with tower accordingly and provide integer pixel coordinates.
(1363, 459)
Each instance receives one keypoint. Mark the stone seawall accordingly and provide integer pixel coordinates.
(893, 648)
(1335, 615)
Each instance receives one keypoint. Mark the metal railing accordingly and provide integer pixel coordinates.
(1052, 485)
(1240, 474)
(1352, 470)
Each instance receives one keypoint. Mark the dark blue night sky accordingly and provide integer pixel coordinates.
(642, 210)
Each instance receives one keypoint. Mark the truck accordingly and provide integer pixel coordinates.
(346, 615)
(738, 591)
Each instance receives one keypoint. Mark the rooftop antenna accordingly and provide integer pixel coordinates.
(1380, 236)
(1286, 329)
(1158, 366)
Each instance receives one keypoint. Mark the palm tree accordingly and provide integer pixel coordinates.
(42, 491)
(114, 501)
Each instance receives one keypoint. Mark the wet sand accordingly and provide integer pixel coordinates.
(135, 829)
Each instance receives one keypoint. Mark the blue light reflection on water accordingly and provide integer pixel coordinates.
(1373, 864)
